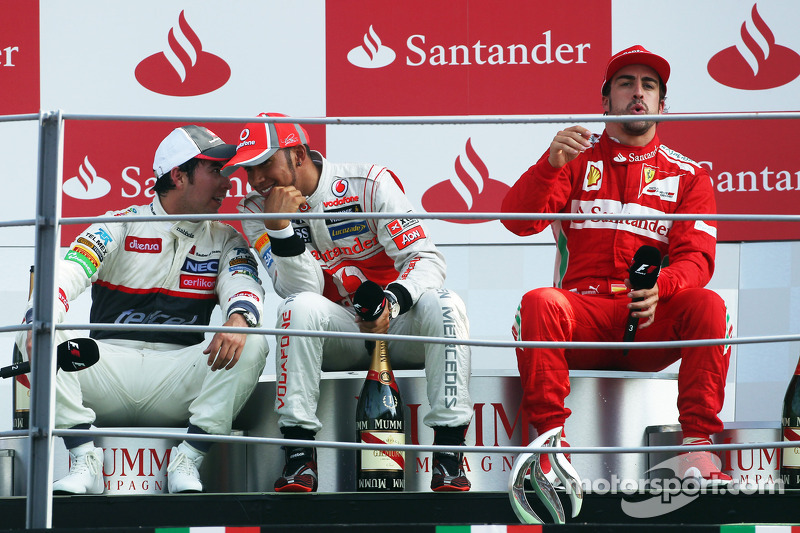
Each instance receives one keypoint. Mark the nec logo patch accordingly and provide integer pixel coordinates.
(143, 245)
(201, 267)
(408, 237)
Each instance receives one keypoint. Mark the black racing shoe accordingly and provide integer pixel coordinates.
(300, 472)
(448, 476)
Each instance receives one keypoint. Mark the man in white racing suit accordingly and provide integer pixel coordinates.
(317, 265)
(156, 272)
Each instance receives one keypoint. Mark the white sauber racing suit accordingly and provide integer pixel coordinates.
(318, 264)
(145, 272)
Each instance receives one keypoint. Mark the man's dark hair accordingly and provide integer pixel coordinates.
(289, 157)
(164, 182)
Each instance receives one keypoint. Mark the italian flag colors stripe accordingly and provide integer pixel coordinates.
(738, 528)
(755, 528)
(488, 529)
(209, 529)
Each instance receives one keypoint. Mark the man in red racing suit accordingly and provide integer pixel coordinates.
(626, 171)
(317, 264)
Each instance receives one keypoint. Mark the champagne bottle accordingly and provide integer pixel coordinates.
(380, 420)
(21, 398)
(790, 424)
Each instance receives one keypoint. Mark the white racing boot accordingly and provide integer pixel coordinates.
(183, 471)
(85, 472)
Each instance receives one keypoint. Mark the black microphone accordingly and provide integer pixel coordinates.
(369, 303)
(643, 273)
(71, 356)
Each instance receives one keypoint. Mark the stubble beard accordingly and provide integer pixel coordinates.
(637, 128)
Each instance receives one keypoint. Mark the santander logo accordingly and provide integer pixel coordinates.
(183, 69)
(87, 185)
(371, 54)
(756, 62)
(471, 191)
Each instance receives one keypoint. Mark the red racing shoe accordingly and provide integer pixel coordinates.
(704, 467)
(448, 475)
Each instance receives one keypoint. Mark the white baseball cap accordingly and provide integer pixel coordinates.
(188, 142)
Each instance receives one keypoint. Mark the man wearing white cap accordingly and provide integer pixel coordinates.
(626, 170)
(162, 272)
(317, 265)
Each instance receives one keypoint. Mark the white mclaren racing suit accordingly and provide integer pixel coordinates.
(145, 272)
(317, 265)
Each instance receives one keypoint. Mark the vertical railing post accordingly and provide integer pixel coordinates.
(39, 508)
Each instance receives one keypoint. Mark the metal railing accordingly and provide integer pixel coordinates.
(48, 221)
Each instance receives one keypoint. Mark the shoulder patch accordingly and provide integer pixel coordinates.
(676, 155)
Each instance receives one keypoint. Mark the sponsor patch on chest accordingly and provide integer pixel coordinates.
(655, 183)
(593, 177)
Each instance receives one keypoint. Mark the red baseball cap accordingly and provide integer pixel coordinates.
(259, 140)
(637, 55)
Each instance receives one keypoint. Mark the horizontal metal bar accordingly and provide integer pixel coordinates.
(446, 120)
(246, 439)
(440, 215)
(435, 340)
(19, 118)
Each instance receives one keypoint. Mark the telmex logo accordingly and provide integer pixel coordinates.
(183, 69)
(87, 185)
(756, 62)
(374, 54)
(468, 191)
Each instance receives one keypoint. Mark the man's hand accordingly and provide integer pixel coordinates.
(646, 308)
(377, 326)
(567, 144)
(225, 348)
(282, 200)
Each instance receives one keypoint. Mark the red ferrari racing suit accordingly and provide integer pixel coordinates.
(589, 298)
(318, 264)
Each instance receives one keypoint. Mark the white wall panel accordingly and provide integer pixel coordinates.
(91, 48)
(689, 33)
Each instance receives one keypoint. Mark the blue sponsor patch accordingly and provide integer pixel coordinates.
(103, 236)
(201, 267)
(346, 230)
(244, 268)
(267, 257)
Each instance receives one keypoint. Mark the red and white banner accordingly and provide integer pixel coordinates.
(19, 57)
(362, 58)
(470, 57)
(108, 165)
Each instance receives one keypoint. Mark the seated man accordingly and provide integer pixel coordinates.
(317, 264)
(626, 170)
(145, 272)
